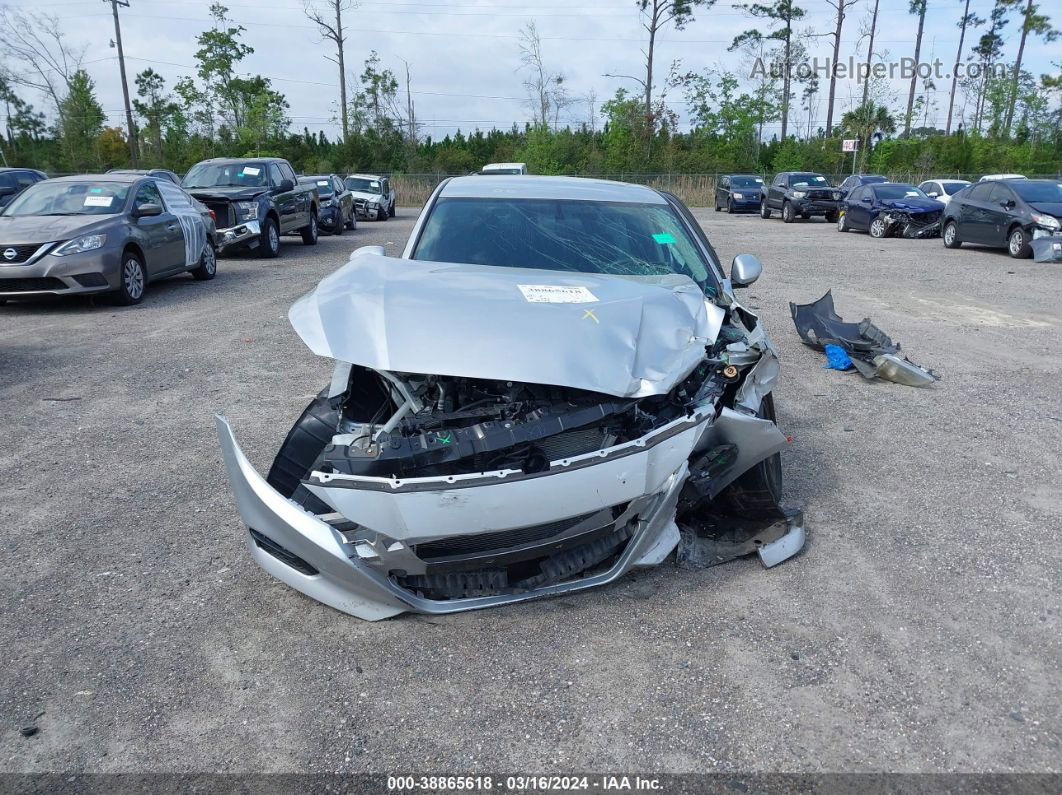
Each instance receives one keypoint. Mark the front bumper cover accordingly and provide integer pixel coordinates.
(353, 572)
(46, 274)
(243, 234)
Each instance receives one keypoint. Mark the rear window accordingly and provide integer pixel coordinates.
(951, 188)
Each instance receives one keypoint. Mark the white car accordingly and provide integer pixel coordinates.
(987, 177)
(504, 168)
(374, 196)
(942, 189)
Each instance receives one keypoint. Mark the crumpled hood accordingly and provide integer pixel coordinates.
(913, 205)
(369, 197)
(623, 336)
(233, 193)
(25, 229)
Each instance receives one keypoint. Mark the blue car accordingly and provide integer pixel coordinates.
(738, 192)
(890, 209)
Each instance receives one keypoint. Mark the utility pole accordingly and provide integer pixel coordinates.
(125, 84)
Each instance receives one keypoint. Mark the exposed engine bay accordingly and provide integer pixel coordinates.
(909, 224)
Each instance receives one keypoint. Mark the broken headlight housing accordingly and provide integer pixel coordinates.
(1046, 221)
(246, 211)
(81, 244)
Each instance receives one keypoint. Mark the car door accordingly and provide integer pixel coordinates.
(999, 213)
(344, 198)
(160, 235)
(303, 199)
(973, 214)
(285, 200)
(722, 192)
(857, 216)
(776, 193)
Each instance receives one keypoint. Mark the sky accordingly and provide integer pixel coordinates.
(463, 55)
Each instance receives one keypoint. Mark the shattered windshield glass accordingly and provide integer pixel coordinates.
(562, 235)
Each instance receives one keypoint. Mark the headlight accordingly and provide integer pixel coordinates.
(374, 205)
(738, 196)
(1046, 221)
(799, 194)
(837, 195)
(327, 202)
(80, 244)
(246, 211)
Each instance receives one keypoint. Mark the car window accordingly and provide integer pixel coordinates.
(566, 235)
(147, 194)
(980, 191)
(337, 185)
(8, 180)
(69, 198)
(929, 187)
(1000, 193)
(857, 194)
(725, 183)
(275, 177)
(364, 184)
(951, 188)
(1038, 191)
(25, 179)
(809, 180)
(779, 181)
(287, 173)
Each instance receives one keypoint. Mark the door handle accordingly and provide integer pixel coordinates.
(171, 227)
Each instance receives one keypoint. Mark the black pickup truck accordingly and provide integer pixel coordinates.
(800, 193)
(254, 201)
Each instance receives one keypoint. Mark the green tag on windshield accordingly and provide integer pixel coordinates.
(662, 239)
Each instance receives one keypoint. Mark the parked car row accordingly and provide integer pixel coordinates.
(1000, 210)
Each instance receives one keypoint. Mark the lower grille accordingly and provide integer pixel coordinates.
(91, 279)
(22, 253)
(270, 546)
(30, 284)
(820, 194)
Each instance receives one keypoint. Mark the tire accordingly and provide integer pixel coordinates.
(765, 210)
(805, 215)
(717, 208)
(382, 216)
(132, 280)
(833, 216)
(950, 235)
(1018, 244)
(877, 227)
(730, 206)
(759, 490)
(339, 228)
(305, 441)
(394, 210)
(842, 224)
(208, 264)
(269, 244)
(309, 232)
(787, 213)
(351, 222)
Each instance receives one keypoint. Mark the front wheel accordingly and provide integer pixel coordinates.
(309, 232)
(351, 222)
(132, 280)
(951, 235)
(730, 206)
(269, 245)
(394, 210)
(833, 216)
(1018, 244)
(842, 224)
(765, 211)
(760, 488)
(787, 213)
(877, 228)
(208, 264)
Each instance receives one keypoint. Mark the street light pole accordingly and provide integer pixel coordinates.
(125, 85)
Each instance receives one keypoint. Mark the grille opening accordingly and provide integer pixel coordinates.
(267, 544)
(28, 284)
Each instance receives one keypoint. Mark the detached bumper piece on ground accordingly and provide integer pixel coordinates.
(872, 351)
(485, 440)
(1047, 248)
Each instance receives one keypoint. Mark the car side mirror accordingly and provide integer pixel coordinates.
(147, 210)
(744, 270)
(378, 250)
(286, 185)
(1007, 205)
(932, 194)
(867, 199)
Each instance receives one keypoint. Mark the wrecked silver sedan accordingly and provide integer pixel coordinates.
(553, 385)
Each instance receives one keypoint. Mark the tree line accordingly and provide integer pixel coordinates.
(997, 120)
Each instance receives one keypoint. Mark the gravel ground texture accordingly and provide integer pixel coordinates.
(919, 630)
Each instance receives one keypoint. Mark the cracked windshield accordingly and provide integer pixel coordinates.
(582, 236)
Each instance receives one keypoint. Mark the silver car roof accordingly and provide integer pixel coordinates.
(518, 186)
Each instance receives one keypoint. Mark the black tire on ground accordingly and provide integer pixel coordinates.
(351, 222)
(787, 213)
(340, 227)
(765, 210)
(309, 232)
(208, 264)
(717, 208)
(269, 244)
(950, 235)
(730, 206)
(394, 210)
(759, 489)
(805, 215)
(132, 280)
(832, 216)
(1018, 243)
(304, 442)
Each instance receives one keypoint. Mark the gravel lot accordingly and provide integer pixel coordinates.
(919, 630)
